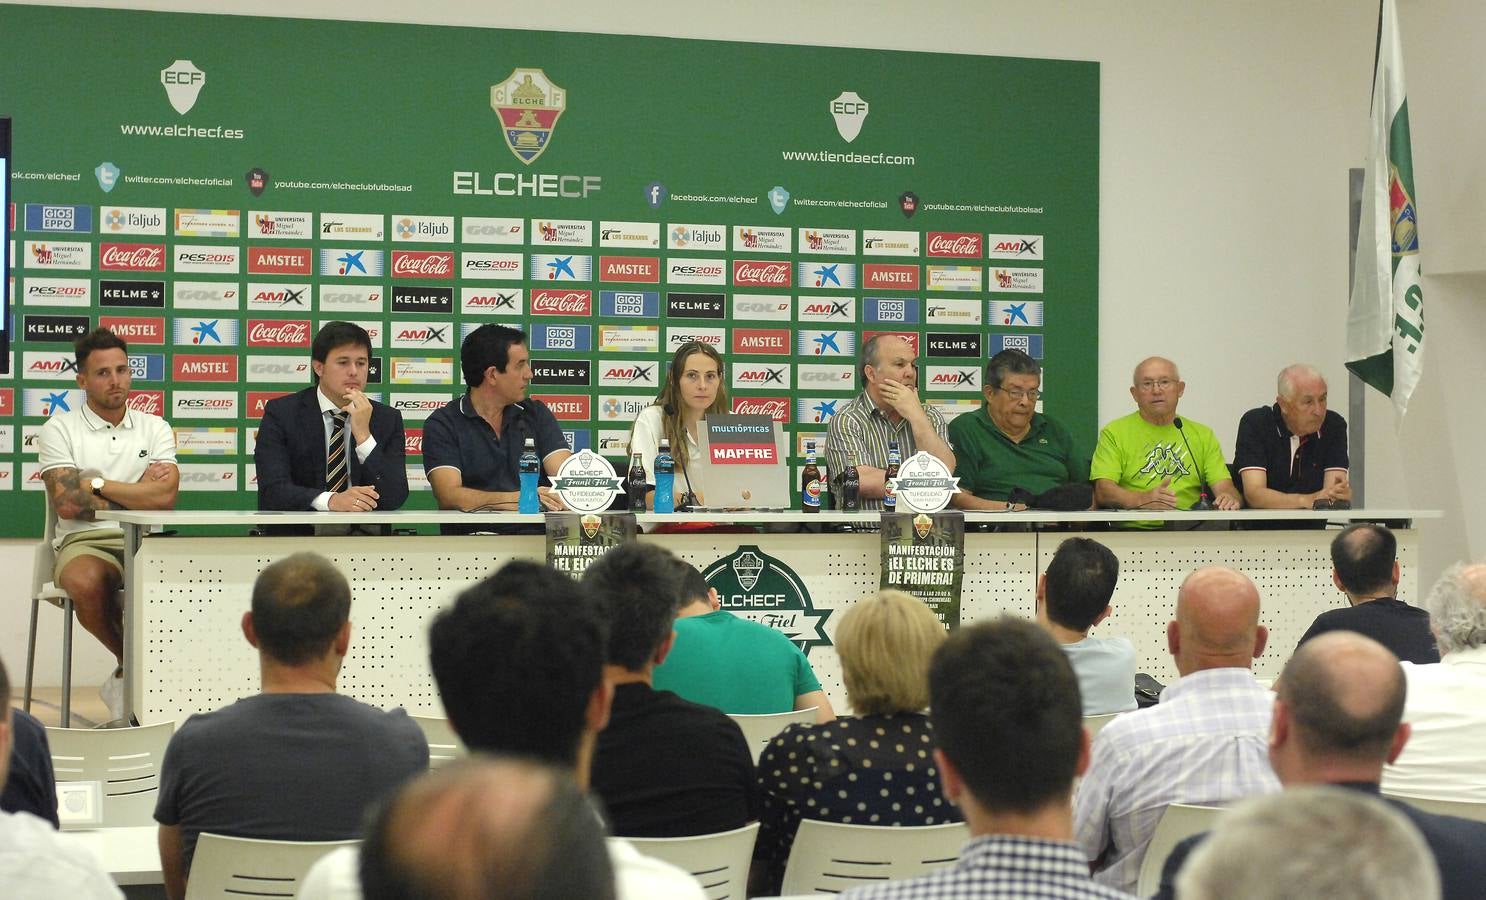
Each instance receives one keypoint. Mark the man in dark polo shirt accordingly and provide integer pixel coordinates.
(1293, 453)
(472, 447)
(1364, 560)
(1009, 444)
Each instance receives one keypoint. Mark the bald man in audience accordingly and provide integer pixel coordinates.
(1204, 743)
(488, 828)
(1446, 756)
(1294, 453)
(1338, 718)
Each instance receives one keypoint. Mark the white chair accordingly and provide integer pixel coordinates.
(1179, 822)
(125, 760)
(1094, 723)
(44, 590)
(719, 861)
(1463, 809)
(828, 857)
(761, 729)
(230, 868)
(444, 746)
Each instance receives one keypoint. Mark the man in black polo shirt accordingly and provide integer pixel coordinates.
(472, 447)
(1293, 453)
(1364, 559)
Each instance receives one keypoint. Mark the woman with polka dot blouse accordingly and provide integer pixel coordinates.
(875, 767)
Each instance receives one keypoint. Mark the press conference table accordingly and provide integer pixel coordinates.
(185, 595)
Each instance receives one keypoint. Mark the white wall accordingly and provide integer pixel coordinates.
(1227, 132)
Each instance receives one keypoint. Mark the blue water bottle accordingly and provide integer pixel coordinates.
(531, 468)
(665, 480)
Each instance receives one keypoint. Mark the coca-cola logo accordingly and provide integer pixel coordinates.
(776, 408)
(152, 402)
(422, 264)
(562, 303)
(765, 272)
(264, 333)
(954, 243)
(132, 257)
(413, 441)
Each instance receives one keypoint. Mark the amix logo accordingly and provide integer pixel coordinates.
(761, 588)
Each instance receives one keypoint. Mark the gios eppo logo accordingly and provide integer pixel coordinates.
(529, 105)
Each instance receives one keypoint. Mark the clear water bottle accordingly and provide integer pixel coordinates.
(531, 468)
(665, 480)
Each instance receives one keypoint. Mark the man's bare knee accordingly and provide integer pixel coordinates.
(89, 580)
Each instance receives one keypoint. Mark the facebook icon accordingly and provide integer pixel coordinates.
(655, 194)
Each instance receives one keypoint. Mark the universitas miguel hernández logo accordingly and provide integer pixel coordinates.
(529, 105)
(763, 589)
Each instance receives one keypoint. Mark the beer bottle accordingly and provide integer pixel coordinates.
(634, 486)
(810, 482)
(889, 492)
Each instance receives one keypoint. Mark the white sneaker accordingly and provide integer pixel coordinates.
(112, 693)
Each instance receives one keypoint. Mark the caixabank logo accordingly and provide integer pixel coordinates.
(529, 105)
(761, 588)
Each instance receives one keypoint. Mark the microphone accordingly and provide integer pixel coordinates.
(1204, 496)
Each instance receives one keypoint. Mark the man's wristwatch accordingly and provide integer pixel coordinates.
(97, 485)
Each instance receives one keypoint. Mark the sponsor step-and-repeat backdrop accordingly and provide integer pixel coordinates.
(216, 188)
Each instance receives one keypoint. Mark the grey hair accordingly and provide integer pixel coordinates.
(1457, 608)
(1285, 382)
(1311, 842)
(1135, 373)
(1009, 362)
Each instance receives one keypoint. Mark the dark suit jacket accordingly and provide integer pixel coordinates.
(290, 455)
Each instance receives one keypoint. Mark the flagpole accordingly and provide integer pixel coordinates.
(1356, 387)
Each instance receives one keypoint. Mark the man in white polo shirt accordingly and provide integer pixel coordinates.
(103, 455)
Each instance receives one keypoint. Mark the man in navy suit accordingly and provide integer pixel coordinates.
(295, 471)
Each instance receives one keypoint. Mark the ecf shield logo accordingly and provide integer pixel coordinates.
(183, 82)
(850, 113)
(528, 104)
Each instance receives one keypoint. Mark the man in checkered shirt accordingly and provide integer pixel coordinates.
(1009, 722)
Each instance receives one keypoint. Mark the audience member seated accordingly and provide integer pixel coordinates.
(488, 829)
(1008, 719)
(1072, 597)
(299, 761)
(1447, 700)
(874, 767)
(1364, 560)
(32, 785)
(1337, 719)
(37, 863)
(1204, 743)
(1312, 842)
(741, 667)
(519, 663)
(665, 767)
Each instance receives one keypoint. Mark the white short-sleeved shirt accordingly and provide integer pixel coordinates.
(81, 440)
(38, 863)
(1446, 708)
(645, 440)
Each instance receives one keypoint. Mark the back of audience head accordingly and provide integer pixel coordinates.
(1079, 582)
(691, 585)
(1315, 841)
(1364, 557)
(518, 659)
(1217, 621)
(300, 609)
(487, 829)
(1457, 608)
(885, 643)
(1007, 715)
(638, 590)
(1338, 710)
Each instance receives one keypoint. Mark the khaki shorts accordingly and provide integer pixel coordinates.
(105, 543)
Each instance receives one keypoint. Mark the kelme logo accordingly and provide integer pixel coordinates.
(529, 105)
(763, 589)
(183, 82)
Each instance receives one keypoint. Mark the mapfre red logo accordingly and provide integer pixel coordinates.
(910, 336)
(131, 257)
(278, 333)
(956, 243)
(152, 402)
(575, 407)
(761, 273)
(635, 269)
(278, 260)
(422, 264)
(889, 276)
(258, 399)
(202, 367)
(135, 330)
(776, 408)
(7, 401)
(561, 303)
(761, 340)
(412, 441)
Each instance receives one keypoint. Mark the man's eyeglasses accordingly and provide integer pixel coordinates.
(1020, 395)
(1149, 385)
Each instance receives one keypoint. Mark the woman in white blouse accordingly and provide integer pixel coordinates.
(693, 389)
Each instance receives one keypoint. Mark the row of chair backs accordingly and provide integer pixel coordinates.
(1179, 822)
(444, 746)
(759, 730)
(828, 857)
(125, 761)
(231, 868)
(719, 861)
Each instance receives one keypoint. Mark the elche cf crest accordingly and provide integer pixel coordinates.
(850, 113)
(183, 82)
(529, 105)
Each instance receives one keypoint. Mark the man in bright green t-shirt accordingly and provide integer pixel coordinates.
(1153, 458)
(729, 663)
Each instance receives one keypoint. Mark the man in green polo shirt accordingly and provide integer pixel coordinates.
(1009, 444)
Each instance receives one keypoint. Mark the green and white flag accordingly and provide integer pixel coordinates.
(1385, 324)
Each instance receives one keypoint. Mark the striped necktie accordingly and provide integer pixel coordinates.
(335, 457)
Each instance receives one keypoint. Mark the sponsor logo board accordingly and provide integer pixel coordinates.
(422, 369)
(202, 259)
(904, 310)
(137, 294)
(567, 407)
(211, 295)
(561, 337)
(834, 342)
(47, 217)
(684, 334)
(191, 331)
(278, 297)
(841, 276)
(952, 343)
(350, 298)
(812, 376)
(952, 278)
(554, 267)
(492, 230)
(640, 235)
(417, 335)
(62, 255)
(353, 262)
(764, 307)
(956, 244)
(135, 330)
(147, 366)
(1018, 281)
(629, 374)
(208, 476)
(279, 261)
(277, 369)
(753, 239)
(762, 376)
(47, 365)
(423, 229)
(204, 368)
(963, 379)
(492, 266)
(835, 241)
(621, 407)
(562, 232)
(1030, 344)
(818, 410)
(54, 329)
(890, 276)
(695, 271)
(352, 227)
(203, 405)
(828, 309)
(492, 301)
(776, 408)
(205, 440)
(634, 304)
(629, 338)
(271, 333)
(694, 306)
(761, 341)
(942, 311)
(549, 302)
(632, 269)
(415, 299)
(57, 292)
(762, 273)
(274, 225)
(890, 243)
(422, 264)
(131, 220)
(1014, 246)
(417, 407)
(696, 237)
(1026, 314)
(570, 372)
(216, 223)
